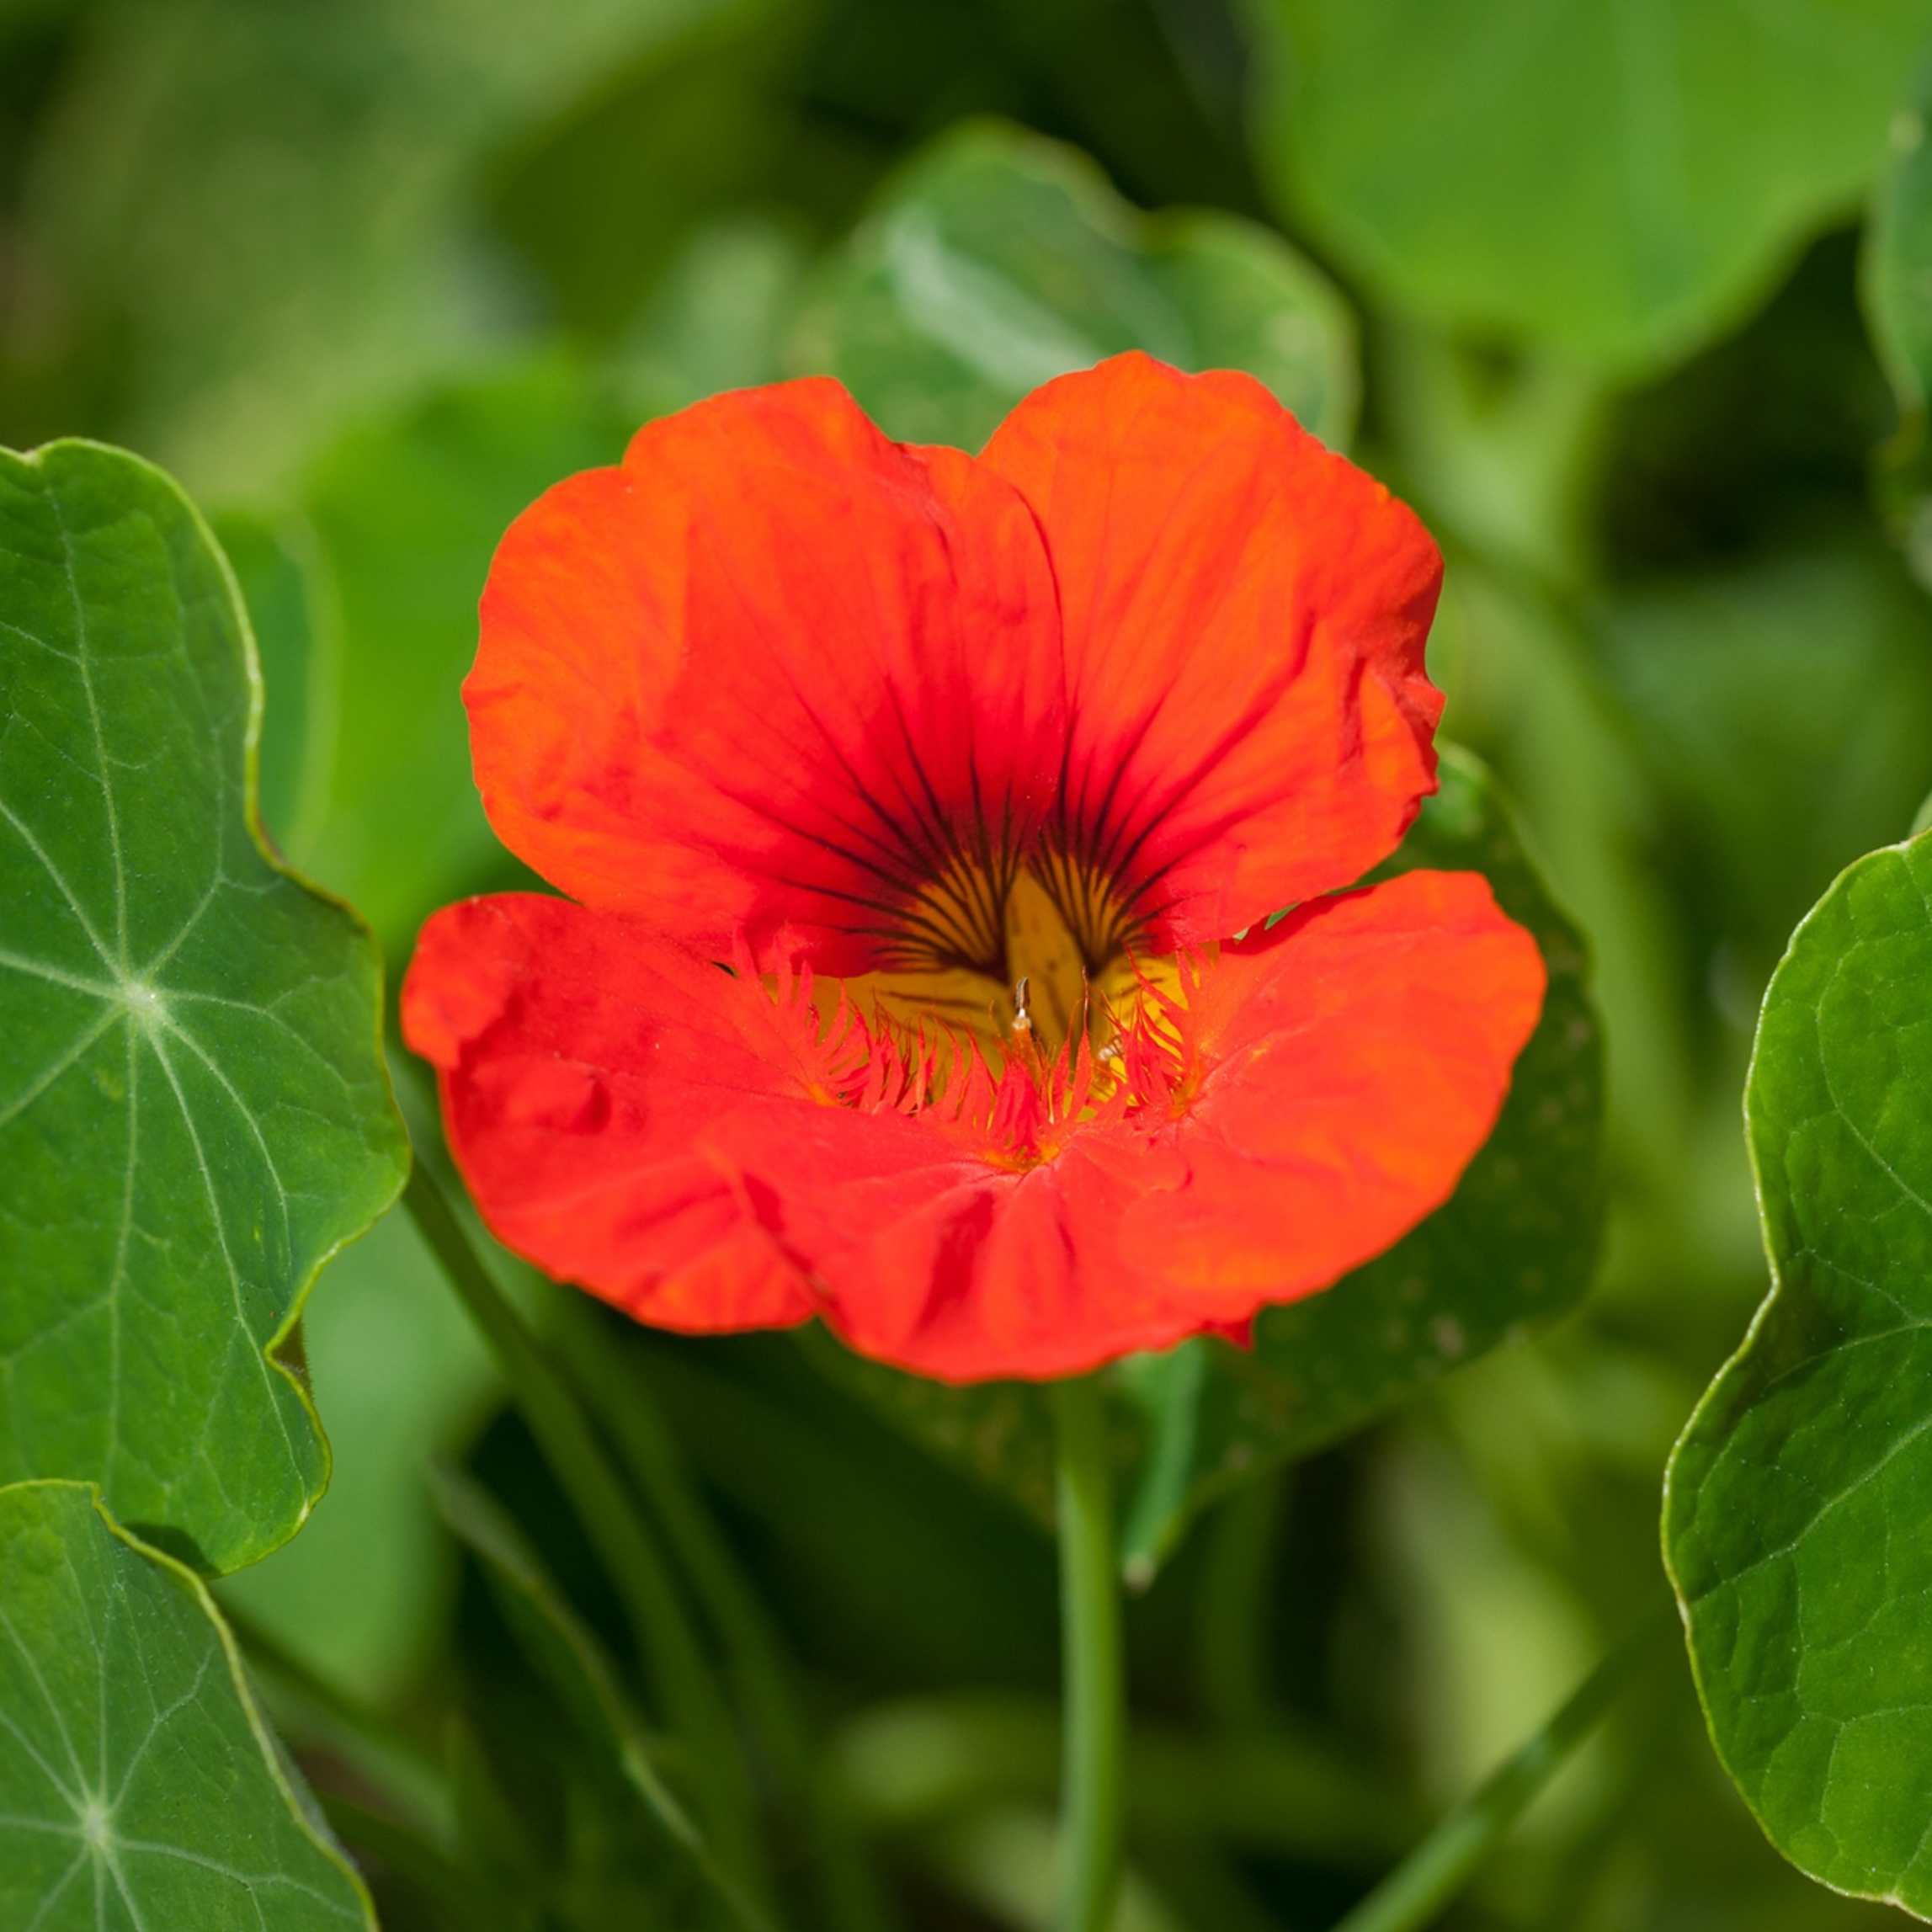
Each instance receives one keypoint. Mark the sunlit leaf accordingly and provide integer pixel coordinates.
(195, 1114)
(139, 1789)
(998, 260)
(1798, 1509)
(1618, 182)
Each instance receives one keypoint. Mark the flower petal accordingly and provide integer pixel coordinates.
(582, 1062)
(774, 671)
(1244, 615)
(665, 1134)
(1354, 1060)
(683, 1142)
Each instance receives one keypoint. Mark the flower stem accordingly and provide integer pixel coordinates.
(1094, 1737)
(1424, 1884)
(673, 1657)
(622, 1402)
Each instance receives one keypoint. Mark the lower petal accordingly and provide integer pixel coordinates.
(1354, 1059)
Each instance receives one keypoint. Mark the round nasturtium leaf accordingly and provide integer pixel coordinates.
(193, 1110)
(1618, 183)
(139, 1789)
(1798, 1506)
(997, 261)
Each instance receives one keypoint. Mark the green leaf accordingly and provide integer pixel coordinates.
(718, 318)
(556, 1641)
(1896, 278)
(1708, 662)
(278, 569)
(1798, 1515)
(998, 260)
(1621, 183)
(588, 1694)
(1515, 1244)
(196, 1113)
(140, 1787)
(363, 1594)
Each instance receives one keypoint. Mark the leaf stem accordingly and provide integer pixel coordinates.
(764, 1673)
(675, 1661)
(388, 1753)
(1093, 1790)
(1423, 1886)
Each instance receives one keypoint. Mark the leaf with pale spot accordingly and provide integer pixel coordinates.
(999, 260)
(1798, 1506)
(139, 1789)
(194, 1111)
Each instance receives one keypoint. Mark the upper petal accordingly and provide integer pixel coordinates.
(1243, 616)
(775, 670)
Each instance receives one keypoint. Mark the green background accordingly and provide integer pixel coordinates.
(1629, 302)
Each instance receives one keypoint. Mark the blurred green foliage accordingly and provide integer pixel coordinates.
(368, 277)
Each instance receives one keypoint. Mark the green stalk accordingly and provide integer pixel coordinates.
(1093, 1791)
(382, 1750)
(673, 1658)
(1427, 1881)
(764, 1673)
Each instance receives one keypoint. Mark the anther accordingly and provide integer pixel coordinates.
(1022, 1021)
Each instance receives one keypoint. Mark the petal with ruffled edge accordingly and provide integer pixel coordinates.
(1243, 617)
(774, 671)
(709, 1156)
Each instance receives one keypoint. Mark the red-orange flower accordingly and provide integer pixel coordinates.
(910, 805)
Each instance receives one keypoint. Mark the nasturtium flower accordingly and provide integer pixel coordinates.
(922, 817)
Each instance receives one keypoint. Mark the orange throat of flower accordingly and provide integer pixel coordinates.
(1013, 1003)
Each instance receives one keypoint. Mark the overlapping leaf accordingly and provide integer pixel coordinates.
(1798, 1509)
(1616, 182)
(998, 260)
(194, 1113)
(139, 1789)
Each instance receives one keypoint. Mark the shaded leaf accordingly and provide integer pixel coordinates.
(1896, 276)
(362, 1596)
(1619, 182)
(1709, 664)
(140, 1787)
(998, 260)
(278, 571)
(1798, 1506)
(196, 1113)
(572, 1663)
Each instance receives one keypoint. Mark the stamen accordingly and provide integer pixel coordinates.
(1023, 1020)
